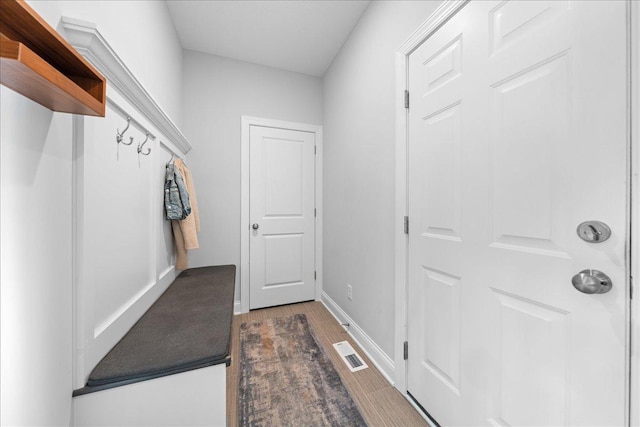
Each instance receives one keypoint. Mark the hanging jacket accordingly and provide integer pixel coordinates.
(185, 231)
(176, 197)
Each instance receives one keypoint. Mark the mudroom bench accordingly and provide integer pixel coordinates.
(170, 368)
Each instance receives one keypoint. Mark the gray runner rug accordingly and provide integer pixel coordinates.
(287, 380)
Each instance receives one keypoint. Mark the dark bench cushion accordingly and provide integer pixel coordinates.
(189, 326)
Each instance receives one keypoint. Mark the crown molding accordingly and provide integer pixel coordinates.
(86, 39)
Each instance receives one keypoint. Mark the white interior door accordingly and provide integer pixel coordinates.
(517, 134)
(281, 204)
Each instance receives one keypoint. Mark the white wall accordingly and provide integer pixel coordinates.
(217, 92)
(35, 156)
(359, 170)
(142, 34)
(36, 167)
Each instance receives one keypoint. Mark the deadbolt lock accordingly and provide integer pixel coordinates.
(593, 231)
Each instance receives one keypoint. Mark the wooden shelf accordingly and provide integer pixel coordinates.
(38, 63)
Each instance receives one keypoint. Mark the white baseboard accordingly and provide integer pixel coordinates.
(237, 307)
(380, 359)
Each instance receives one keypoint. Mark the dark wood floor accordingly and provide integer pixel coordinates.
(379, 402)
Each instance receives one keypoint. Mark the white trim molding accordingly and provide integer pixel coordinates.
(86, 39)
(246, 123)
(380, 359)
(634, 114)
(446, 10)
(442, 14)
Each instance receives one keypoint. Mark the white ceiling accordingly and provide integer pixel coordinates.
(300, 35)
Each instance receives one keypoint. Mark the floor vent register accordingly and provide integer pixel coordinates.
(352, 359)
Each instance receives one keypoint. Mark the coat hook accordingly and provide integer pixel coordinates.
(120, 138)
(142, 145)
(120, 135)
(140, 148)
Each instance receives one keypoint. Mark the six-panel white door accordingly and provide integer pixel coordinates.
(517, 134)
(282, 199)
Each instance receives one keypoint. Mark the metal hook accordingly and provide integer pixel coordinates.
(120, 135)
(142, 145)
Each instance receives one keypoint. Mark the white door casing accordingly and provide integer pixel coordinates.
(517, 133)
(634, 111)
(281, 196)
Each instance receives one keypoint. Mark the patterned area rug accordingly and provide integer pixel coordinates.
(287, 380)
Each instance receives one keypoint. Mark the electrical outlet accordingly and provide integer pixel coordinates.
(349, 292)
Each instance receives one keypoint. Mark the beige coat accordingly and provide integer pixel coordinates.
(185, 231)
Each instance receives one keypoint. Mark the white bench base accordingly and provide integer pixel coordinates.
(192, 398)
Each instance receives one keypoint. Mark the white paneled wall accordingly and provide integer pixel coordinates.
(123, 246)
(124, 250)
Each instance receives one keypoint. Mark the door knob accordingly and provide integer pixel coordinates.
(255, 226)
(592, 282)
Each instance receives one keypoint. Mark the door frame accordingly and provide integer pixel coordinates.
(633, 23)
(444, 12)
(245, 235)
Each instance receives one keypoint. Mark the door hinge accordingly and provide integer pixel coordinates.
(315, 275)
(631, 287)
(315, 212)
(406, 99)
(406, 225)
(406, 350)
